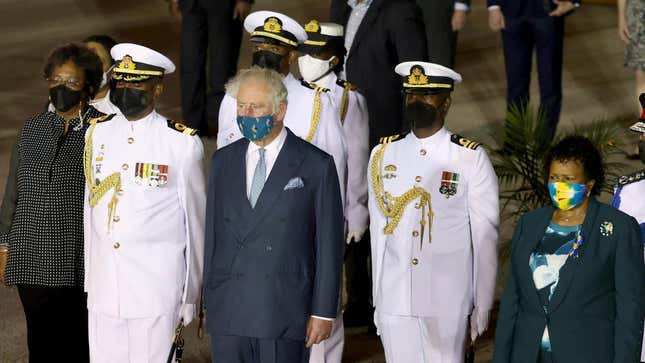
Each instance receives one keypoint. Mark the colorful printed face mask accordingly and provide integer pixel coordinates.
(567, 196)
(255, 128)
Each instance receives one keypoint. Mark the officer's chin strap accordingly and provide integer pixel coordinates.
(177, 349)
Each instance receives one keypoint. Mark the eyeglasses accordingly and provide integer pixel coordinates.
(70, 83)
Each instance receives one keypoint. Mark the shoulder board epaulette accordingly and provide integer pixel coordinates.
(464, 142)
(343, 83)
(178, 126)
(631, 178)
(312, 86)
(100, 119)
(389, 139)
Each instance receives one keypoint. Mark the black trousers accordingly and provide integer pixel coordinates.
(235, 349)
(545, 35)
(359, 282)
(56, 323)
(442, 41)
(208, 32)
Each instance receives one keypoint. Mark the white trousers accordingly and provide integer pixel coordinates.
(330, 350)
(409, 339)
(145, 340)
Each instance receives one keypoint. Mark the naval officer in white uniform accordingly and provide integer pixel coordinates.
(144, 217)
(434, 217)
(311, 114)
(322, 60)
(630, 190)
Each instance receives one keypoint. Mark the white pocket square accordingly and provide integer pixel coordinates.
(294, 183)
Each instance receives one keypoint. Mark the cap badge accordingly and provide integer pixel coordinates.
(127, 63)
(417, 77)
(272, 25)
(312, 26)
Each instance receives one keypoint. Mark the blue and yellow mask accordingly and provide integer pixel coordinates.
(567, 196)
(255, 128)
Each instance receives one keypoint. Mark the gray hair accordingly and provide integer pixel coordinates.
(271, 78)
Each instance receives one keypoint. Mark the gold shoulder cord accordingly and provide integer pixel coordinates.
(97, 191)
(344, 101)
(315, 114)
(393, 207)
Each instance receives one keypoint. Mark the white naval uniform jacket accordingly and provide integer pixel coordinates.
(150, 258)
(458, 268)
(329, 135)
(356, 128)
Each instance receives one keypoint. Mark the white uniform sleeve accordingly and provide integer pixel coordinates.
(87, 235)
(330, 137)
(377, 238)
(357, 135)
(227, 130)
(192, 196)
(483, 208)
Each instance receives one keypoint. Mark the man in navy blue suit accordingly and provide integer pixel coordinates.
(274, 234)
(525, 25)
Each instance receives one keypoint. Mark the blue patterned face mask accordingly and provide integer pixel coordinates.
(255, 128)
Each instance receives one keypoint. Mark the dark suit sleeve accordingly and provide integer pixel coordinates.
(630, 294)
(328, 243)
(338, 10)
(494, 3)
(210, 240)
(10, 196)
(407, 31)
(509, 307)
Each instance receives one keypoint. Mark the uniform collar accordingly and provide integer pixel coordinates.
(430, 140)
(143, 122)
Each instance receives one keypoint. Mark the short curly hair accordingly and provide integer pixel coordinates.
(84, 58)
(581, 149)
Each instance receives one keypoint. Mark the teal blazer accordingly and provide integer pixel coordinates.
(596, 312)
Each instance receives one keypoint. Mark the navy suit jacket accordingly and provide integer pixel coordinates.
(532, 8)
(268, 269)
(596, 312)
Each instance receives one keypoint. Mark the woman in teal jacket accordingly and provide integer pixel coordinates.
(576, 289)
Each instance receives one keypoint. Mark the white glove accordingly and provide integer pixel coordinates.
(187, 312)
(355, 236)
(478, 322)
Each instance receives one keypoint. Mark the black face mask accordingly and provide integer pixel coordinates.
(421, 115)
(131, 102)
(641, 150)
(266, 59)
(64, 98)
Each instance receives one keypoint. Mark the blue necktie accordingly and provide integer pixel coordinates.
(259, 177)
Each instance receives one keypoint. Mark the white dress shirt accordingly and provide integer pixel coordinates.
(270, 155)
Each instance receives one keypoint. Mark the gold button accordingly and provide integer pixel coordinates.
(417, 205)
(418, 179)
(125, 166)
(415, 261)
(415, 234)
(130, 140)
(120, 192)
(116, 245)
(116, 218)
(423, 152)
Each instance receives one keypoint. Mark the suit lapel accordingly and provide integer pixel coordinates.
(535, 231)
(288, 161)
(366, 24)
(238, 195)
(568, 271)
